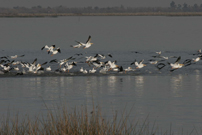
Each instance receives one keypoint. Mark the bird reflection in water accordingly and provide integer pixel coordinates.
(198, 80)
(112, 83)
(139, 84)
(176, 85)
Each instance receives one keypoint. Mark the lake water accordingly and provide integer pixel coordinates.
(169, 98)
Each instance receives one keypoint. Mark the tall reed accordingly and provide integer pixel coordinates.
(78, 122)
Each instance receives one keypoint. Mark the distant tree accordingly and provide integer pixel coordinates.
(122, 7)
(179, 6)
(195, 7)
(39, 6)
(117, 9)
(49, 10)
(96, 8)
(172, 5)
(185, 7)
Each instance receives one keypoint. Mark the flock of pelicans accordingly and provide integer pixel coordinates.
(93, 64)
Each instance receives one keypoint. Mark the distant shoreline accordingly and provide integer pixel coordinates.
(101, 14)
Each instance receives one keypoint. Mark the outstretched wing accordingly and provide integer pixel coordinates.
(21, 55)
(178, 59)
(89, 38)
(34, 62)
(160, 66)
(59, 50)
(42, 47)
(141, 61)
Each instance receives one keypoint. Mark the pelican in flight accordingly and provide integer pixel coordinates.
(112, 65)
(16, 56)
(158, 52)
(196, 59)
(87, 44)
(176, 65)
(70, 66)
(140, 64)
(49, 49)
(56, 51)
(76, 46)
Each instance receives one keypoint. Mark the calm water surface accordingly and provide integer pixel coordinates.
(108, 33)
(161, 95)
(167, 99)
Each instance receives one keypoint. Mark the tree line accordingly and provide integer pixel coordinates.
(173, 7)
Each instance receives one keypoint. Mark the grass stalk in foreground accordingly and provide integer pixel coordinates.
(79, 122)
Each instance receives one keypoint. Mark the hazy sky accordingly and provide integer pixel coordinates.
(99, 3)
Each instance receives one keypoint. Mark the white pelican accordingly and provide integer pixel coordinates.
(112, 65)
(64, 69)
(104, 70)
(38, 66)
(61, 62)
(87, 44)
(115, 69)
(153, 62)
(196, 59)
(81, 70)
(70, 66)
(164, 57)
(14, 57)
(16, 62)
(16, 68)
(100, 55)
(140, 64)
(158, 52)
(31, 68)
(176, 65)
(109, 55)
(90, 59)
(77, 46)
(85, 71)
(48, 68)
(6, 67)
(48, 48)
(92, 71)
(56, 51)
(129, 69)
(97, 64)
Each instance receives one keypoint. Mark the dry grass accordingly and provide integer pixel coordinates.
(79, 122)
